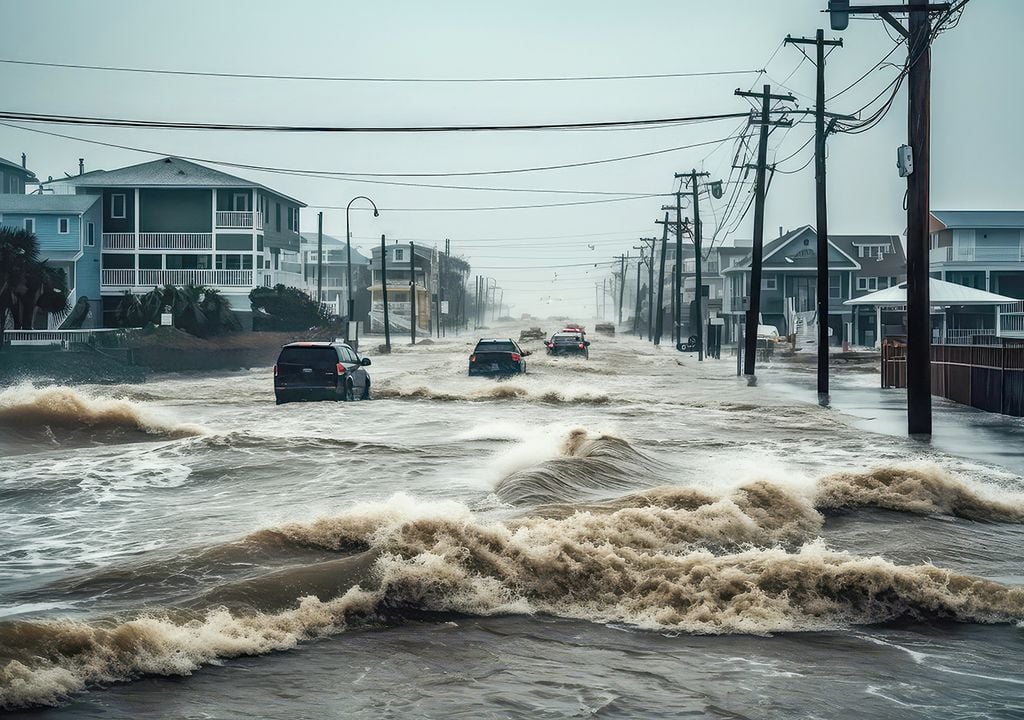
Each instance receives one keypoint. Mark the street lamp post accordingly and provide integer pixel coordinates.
(348, 259)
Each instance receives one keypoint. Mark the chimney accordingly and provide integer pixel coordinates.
(81, 166)
(780, 231)
(24, 161)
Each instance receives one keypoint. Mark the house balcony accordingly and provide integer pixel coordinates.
(158, 241)
(953, 254)
(152, 278)
(239, 220)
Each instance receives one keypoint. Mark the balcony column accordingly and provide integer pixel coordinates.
(988, 281)
(213, 229)
(138, 229)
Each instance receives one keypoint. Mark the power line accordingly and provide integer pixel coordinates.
(328, 78)
(56, 119)
(499, 207)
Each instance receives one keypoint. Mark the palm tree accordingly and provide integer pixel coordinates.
(27, 284)
(196, 309)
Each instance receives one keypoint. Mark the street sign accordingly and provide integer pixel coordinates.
(717, 321)
(444, 307)
(166, 319)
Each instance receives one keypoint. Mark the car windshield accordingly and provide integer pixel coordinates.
(316, 357)
(566, 339)
(495, 346)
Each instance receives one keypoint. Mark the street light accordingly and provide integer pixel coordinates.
(348, 255)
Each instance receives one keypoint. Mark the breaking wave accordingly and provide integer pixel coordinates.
(27, 410)
(499, 391)
(642, 561)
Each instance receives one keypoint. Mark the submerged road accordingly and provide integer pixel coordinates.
(637, 535)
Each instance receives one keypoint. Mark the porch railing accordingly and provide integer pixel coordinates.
(176, 241)
(118, 241)
(229, 278)
(118, 278)
(245, 220)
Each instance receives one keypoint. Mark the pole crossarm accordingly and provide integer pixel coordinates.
(876, 9)
(759, 96)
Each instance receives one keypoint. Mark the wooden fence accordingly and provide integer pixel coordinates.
(988, 377)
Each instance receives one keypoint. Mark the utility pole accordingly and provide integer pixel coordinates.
(437, 295)
(319, 258)
(757, 253)
(698, 258)
(384, 293)
(677, 292)
(636, 314)
(623, 259)
(412, 292)
(660, 315)
(445, 277)
(821, 209)
(650, 285)
(918, 35)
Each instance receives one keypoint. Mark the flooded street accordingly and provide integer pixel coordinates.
(634, 535)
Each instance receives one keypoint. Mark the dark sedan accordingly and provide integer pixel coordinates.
(497, 357)
(320, 371)
(568, 343)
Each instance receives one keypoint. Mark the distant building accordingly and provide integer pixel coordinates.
(400, 287)
(13, 177)
(171, 221)
(68, 229)
(335, 274)
(858, 264)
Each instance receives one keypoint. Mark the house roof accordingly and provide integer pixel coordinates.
(333, 243)
(167, 172)
(47, 204)
(940, 292)
(7, 163)
(891, 264)
(953, 219)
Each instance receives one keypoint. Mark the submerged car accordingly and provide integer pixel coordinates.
(568, 342)
(498, 356)
(320, 371)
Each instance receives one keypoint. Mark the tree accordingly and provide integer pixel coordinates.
(198, 310)
(286, 308)
(27, 284)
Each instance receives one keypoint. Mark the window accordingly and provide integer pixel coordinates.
(30, 225)
(63, 226)
(399, 254)
(835, 286)
(247, 262)
(240, 202)
(12, 186)
(277, 216)
(118, 206)
(867, 283)
(90, 235)
(769, 282)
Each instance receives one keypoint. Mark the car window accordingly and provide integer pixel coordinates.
(497, 346)
(347, 355)
(566, 339)
(315, 357)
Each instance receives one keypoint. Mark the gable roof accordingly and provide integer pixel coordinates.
(47, 204)
(333, 243)
(167, 172)
(954, 219)
(891, 264)
(15, 166)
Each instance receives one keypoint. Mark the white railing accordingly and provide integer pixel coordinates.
(1011, 320)
(118, 241)
(401, 307)
(962, 336)
(231, 278)
(119, 278)
(61, 337)
(176, 241)
(955, 254)
(240, 219)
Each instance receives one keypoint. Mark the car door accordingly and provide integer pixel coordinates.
(353, 367)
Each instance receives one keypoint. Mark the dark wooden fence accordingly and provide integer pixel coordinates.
(988, 377)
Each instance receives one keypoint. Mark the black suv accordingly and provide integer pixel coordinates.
(500, 356)
(320, 371)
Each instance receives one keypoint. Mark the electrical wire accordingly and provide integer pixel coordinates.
(327, 78)
(496, 207)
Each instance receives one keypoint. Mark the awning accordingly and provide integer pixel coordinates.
(940, 292)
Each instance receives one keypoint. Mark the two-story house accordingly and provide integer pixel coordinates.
(400, 287)
(13, 176)
(68, 229)
(982, 249)
(334, 274)
(858, 264)
(171, 221)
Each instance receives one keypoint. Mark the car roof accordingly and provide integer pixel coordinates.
(490, 340)
(314, 344)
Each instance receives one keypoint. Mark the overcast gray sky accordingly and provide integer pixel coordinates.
(976, 111)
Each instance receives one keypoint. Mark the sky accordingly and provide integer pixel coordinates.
(543, 258)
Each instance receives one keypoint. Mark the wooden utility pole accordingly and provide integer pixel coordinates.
(677, 293)
(623, 259)
(821, 209)
(636, 315)
(757, 253)
(319, 258)
(660, 315)
(384, 293)
(697, 257)
(412, 293)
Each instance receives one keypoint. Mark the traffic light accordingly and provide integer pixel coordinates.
(839, 14)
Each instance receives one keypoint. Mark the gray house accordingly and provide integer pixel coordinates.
(13, 177)
(400, 286)
(171, 221)
(334, 265)
(858, 264)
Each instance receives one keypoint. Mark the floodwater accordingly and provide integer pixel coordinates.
(637, 535)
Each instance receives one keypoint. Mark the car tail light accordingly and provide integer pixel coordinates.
(472, 358)
(516, 357)
(275, 370)
(341, 369)
(582, 346)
